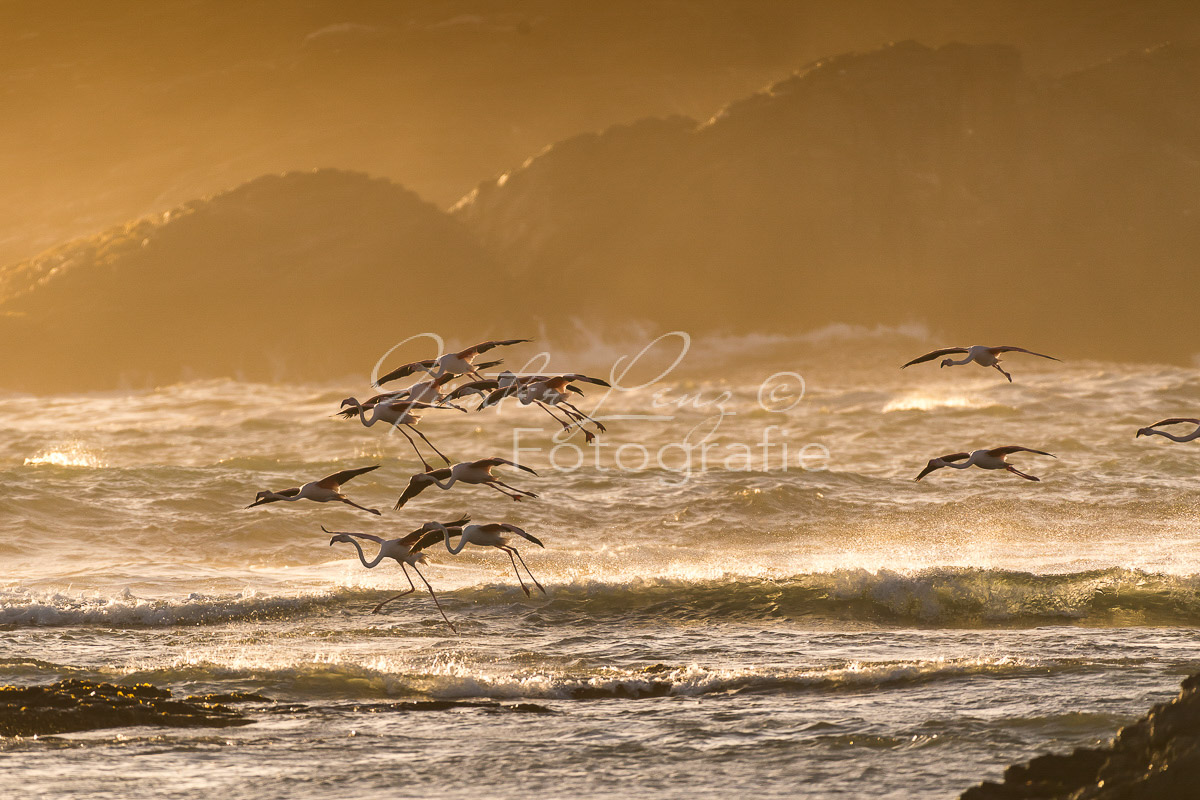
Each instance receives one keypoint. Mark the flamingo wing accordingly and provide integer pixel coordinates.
(496, 527)
(587, 379)
(936, 354)
(413, 537)
(495, 462)
(412, 491)
(406, 370)
(499, 394)
(1005, 349)
(332, 482)
(1175, 421)
(1000, 452)
(415, 486)
(428, 538)
(475, 387)
(483, 347)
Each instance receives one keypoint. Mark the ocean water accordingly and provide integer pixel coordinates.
(725, 619)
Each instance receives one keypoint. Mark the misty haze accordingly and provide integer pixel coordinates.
(783, 398)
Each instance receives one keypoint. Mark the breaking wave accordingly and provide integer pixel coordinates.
(942, 597)
(452, 680)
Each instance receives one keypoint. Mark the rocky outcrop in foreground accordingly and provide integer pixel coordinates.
(75, 705)
(1155, 758)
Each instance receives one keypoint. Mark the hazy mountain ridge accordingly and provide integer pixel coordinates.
(271, 279)
(117, 111)
(909, 184)
(936, 184)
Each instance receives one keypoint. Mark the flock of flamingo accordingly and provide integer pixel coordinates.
(403, 409)
(997, 457)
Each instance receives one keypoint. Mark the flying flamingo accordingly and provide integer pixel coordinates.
(407, 553)
(472, 472)
(981, 355)
(322, 491)
(1150, 431)
(491, 535)
(460, 363)
(551, 391)
(485, 387)
(984, 459)
(400, 414)
(426, 391)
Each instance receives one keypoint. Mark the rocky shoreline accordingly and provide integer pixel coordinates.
(1155, 758)
(77, 705)
(72, 706)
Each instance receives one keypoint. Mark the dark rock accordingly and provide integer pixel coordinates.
(76, 705)
(233, 697)
(444, 705)
(1155, 758)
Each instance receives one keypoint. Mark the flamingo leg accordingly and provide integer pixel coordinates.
(598, 425)
(588, 436)
(424, 463)
(510, 552)
(515, 489)
(1002, 372)
(350, 502)
(544, 407)
(492, 484)
(412, 588)
(426, 439)
(1016, 471)
(434, 596)
(526, 566)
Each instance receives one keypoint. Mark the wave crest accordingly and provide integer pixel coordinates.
(943, 596)
(335, 678)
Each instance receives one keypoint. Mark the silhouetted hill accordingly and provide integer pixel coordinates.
(912, 183)
(114, 111)
(304, 275)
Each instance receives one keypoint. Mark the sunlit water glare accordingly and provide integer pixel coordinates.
(836, 631)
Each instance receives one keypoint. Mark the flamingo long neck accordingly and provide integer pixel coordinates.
(362, 412)
(449, 482)
(964, 465)
(462, 539)
(363, 558)
(1189, 437)
(967, 359)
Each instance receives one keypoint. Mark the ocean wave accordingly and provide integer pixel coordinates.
(24, 609)
(452, 680)
(941, 597)
(927, 400)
